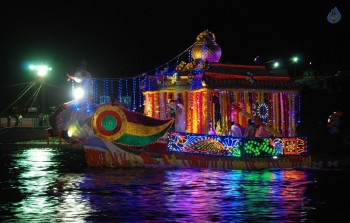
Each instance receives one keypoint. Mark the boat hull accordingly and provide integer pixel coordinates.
(104, 154)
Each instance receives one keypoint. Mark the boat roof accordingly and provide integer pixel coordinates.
(223, 76)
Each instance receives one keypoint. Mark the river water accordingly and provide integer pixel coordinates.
(54, 185)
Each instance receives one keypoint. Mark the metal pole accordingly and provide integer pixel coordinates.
(42, 99)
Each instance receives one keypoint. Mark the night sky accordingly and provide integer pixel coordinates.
(128, 38)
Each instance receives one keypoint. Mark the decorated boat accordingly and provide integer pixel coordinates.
(166, 117)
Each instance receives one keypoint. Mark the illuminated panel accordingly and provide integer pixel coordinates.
(235, 146)
(205, 144)
(290, 146)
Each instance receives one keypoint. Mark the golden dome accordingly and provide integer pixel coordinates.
(206, 48)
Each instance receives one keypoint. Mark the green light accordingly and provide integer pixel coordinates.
(41, 70)
(295, 59)
(109, 123)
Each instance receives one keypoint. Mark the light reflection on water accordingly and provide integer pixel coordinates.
(53, 185)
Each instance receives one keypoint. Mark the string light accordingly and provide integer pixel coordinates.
(112, 87)
(134, 94)
(95, 83)
(127, 94)
(120, 86)
(140, 92)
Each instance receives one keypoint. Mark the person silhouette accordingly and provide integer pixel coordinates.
(180, 125)
(250, 130)
(235, 130)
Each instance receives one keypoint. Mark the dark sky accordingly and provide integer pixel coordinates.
(128, 38)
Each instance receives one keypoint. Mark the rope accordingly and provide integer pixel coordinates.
(36, 93)
(30, 85)
(14, 85)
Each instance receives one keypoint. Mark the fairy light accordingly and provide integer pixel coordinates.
(112, 87)
(127, 93)
(209, 106)
(191, 94)
(197, 113)
(103, 87)
(177, 95)
(140, 93)
(262, 111)
(148, 96)
(103, 98)
(149, 104)
(120, 86)
(293, 114)
(231, 106)
(134, 94)
(200, 111)
(87, 107)
(242, 101)
(273, 100)
(282, 114)
(290, 114)
(107, 87)
(162, 105)
(95, 84)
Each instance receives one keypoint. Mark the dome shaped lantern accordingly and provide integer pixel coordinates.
(206, 48)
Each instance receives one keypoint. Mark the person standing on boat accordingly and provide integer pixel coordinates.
(235, 130)
(261, 131)
(180, 125)
(250, 130)
(115, 101)
(20, 118)
(211, 130)
(16, 120)
(84, 79)
(9, 121)
(334, 131)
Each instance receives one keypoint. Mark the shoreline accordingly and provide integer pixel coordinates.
(42, 143)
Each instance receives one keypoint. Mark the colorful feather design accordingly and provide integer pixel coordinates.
(115, 124)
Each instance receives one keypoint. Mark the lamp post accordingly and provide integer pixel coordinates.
(295, 60)
(41, 71)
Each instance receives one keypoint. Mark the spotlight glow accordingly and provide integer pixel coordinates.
(78, 93)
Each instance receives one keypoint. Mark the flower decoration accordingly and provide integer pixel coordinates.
(181, 66)
(205, 36)
(174, 78)
(189, 66)
(250, 78)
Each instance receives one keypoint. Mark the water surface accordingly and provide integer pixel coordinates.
(54, 185)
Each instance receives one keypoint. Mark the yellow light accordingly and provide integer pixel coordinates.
(70, 133)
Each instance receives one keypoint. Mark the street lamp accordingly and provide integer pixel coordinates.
(275, 65)
(295, 60)
(41, 71)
